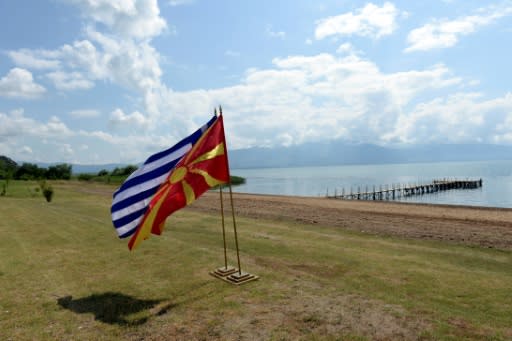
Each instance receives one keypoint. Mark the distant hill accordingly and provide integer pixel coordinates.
(336, 153)
(339, 153)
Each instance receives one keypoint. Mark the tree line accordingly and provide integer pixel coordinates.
(9, 169)
(118, 173)
(30, 171)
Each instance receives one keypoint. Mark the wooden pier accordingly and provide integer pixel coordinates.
(396, 191)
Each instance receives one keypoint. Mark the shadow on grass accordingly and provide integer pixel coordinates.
(110, 307)
(116, 308)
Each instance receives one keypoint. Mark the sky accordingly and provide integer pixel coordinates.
(114, 81)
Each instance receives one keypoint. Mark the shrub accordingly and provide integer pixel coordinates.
(237, 180)
(125, 171)
(85, 177)
(48, 193)
(47, 190)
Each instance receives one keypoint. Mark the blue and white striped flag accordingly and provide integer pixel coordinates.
(130, 201)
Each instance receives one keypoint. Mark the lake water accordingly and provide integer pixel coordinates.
(317, 181)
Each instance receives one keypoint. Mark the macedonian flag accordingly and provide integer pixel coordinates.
(203, 167)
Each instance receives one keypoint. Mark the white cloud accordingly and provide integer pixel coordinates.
(19, 83)
(370, 21)
(445, 33)
(347, 48)
(313, 97)
(66, 151)
(16, 124)
(34, 59)
(84, 113)
(26, 150)
(134, 120)
(123, 56)
(54, 128)
(52, 140)
(275, 34)
(458, 118)
(69, 80)
(138, 19)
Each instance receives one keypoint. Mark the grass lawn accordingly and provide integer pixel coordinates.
(64, 275)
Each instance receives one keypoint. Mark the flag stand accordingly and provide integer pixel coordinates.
(229, 273)
(226, 270)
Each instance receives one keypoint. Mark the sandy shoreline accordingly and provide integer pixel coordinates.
(482, 226)
(467, 225)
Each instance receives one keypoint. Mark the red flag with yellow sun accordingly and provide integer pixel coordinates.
(203, 167)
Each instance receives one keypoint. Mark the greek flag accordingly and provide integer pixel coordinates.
(130, 201)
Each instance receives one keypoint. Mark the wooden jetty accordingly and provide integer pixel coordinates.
(396, 191)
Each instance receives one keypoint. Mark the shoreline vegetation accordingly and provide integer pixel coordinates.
(119, 179)
(329, 269)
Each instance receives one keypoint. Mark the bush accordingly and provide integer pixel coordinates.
(85, 177)
(47, 190)
(48, 193)
(124, 171)
(237, 180)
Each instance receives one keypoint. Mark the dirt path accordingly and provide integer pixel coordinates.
(487, 227)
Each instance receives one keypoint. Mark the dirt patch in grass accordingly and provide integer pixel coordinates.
(296, 318)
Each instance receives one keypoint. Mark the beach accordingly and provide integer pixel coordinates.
(475, 226)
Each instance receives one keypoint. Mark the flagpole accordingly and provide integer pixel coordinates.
(222, 215)
(234, 227)
(223, 228)
(222, 272)
(231, 276)
(241, 277)
(231, 199)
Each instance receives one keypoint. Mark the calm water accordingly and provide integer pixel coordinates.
(317, 181)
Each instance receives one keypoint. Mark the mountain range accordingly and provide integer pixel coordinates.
(336, 153)
(339, 153)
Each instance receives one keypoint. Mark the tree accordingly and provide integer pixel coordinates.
(7, 167)
(29, 171)
(59, 171)
(124, 171)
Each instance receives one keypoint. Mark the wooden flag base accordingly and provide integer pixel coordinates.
(224, 271)
(241, 278)
(233, 276)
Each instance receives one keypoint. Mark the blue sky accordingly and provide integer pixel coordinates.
(101, 81)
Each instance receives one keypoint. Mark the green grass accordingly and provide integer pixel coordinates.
(65, 275)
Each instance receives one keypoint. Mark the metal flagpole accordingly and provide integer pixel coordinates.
(223, 228)
(233, 277)
(223, 272)
(234, 227)
(240, 277)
